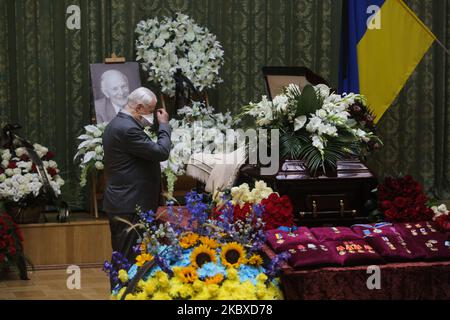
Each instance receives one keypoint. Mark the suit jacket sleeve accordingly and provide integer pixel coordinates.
(140, 145)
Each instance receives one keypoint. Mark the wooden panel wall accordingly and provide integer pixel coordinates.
(53, 245)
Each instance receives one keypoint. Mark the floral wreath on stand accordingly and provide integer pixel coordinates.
(172, 44)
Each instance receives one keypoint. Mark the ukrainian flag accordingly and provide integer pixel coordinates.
(382, 43)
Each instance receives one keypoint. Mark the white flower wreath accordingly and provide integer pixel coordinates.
(165, 46)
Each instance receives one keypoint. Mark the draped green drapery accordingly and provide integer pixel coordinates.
(45, 82)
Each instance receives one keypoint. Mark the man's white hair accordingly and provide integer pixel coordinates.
(141, 96)
(108, 74)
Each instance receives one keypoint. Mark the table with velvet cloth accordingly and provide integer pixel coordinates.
(406, 280)
(409, 280)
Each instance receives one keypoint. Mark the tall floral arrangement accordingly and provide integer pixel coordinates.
(170, 44)
(317, 125)
(19, 178)
(90, 150)
(196, 129)
(201, 256)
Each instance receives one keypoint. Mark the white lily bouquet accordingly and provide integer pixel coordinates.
(90, 150)
(166, 45)
(317, 125)
(198, 130)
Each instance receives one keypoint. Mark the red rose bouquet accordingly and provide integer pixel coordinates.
(10, 242)
(277, 211)
(402, 200)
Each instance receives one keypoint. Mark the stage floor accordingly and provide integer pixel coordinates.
(51, 285)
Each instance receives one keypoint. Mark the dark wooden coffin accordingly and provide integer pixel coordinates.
(335, 199)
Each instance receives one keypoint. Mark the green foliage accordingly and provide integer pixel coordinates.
(308, 101)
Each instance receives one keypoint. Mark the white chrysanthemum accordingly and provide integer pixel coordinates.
(20, 152)
(99, 165)
(6, 155)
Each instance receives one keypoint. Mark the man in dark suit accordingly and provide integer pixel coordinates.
(132, 163)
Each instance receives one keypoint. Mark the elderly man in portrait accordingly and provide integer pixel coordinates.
(132, 164)
(115, 88)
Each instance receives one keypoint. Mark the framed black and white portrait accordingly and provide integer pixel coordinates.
(111, 85)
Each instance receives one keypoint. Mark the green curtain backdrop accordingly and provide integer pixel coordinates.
(45, 81)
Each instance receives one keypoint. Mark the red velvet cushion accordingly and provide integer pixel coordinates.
(283, 240)
(354, 252)
(334, 233)
(422, 229)
(436, 247)
(393, 247)
(427, 238)
(378, 229)
(311, 254)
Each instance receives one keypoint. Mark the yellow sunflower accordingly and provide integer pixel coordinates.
(143, 247)
(213, 244)
(188, 240)
(255, 260)
(201, 255)
(143, 258)
(187, 274)
(218, 278)
(232, 255)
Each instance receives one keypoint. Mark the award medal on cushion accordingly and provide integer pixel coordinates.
(341, 250)
(389, 243)
(279, 237)
(430, 227)
(430, 244)
(369, 248)
(349, 247)
(367, 233)
(359, 248)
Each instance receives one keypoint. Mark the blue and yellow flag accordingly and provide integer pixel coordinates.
(382, 43)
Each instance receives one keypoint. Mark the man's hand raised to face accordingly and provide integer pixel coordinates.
(162, 115)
